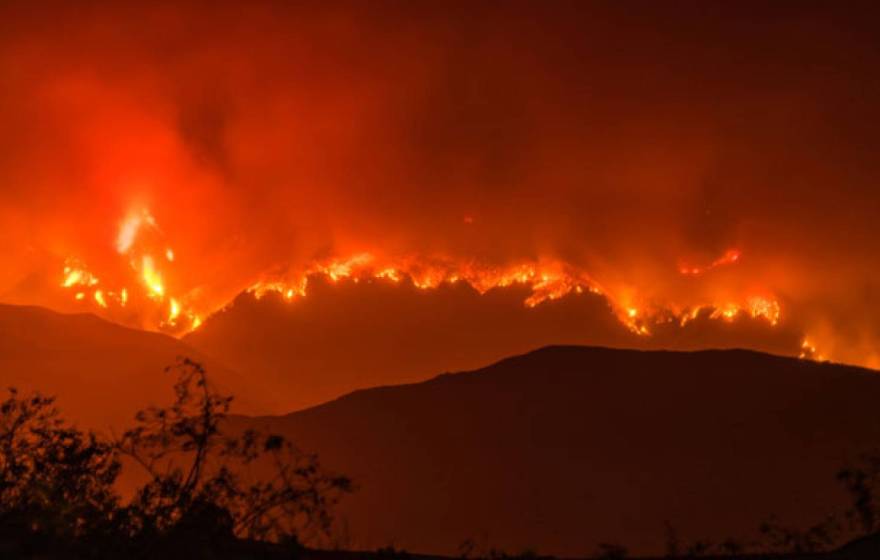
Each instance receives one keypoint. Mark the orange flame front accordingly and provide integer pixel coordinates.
(546, 280)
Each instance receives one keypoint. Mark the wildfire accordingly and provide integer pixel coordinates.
(152, 278)
(75, 274)
(79, 279)
(173, 312)
(810, 352)
(766, 309)
(142, 260)
(755, 307)
(139, 239)
(546, 281)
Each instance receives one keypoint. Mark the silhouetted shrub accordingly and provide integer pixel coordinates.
(57, 483)
(391, 552)
(862, 480)
(817, 538)
(610, 551)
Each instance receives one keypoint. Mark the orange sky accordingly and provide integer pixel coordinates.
(621, 148)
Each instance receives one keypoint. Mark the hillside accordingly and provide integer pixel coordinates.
(565, 447)
(348, 336)
(100, 372)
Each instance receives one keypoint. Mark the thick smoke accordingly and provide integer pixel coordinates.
(626, 140)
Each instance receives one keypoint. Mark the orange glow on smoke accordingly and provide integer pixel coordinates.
(150, 172)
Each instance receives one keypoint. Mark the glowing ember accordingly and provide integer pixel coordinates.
(99, 298)
(75, 274)
(732, 256)
(810, 352)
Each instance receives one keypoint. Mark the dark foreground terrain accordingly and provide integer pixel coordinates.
(556, 450)
(865, 549)
(566, 447)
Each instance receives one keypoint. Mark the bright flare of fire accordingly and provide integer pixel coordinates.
(99, 298)
(129, 228)
(152, 278)
(75, 274)
(173, 312)
(130, 242)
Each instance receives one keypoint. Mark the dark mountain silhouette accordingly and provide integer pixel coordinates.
(349, 336)
(565, 447)
(100, 372)
(557, 450)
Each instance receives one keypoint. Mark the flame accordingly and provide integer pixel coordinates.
(99, 298)
(173, 312)
(810, 352)
(129, 228)
(389, 273)
(732, 256)
(151, 277)
(545, 279)
(140, 252)
(75, 274)
(766, 309)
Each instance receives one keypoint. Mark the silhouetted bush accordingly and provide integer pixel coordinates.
(610, 551)
(816, 538)
(57, 495)
(391, 552)
(862, 481)
(55, 481)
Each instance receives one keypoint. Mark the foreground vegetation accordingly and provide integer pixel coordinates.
(58, 484)
(208, 491)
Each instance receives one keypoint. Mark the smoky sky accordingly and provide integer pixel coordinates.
(623, 138)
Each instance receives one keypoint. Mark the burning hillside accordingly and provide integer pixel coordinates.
(158, 160)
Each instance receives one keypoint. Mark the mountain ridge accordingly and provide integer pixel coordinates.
(100, 372)
(544, 350)
(565, 447)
